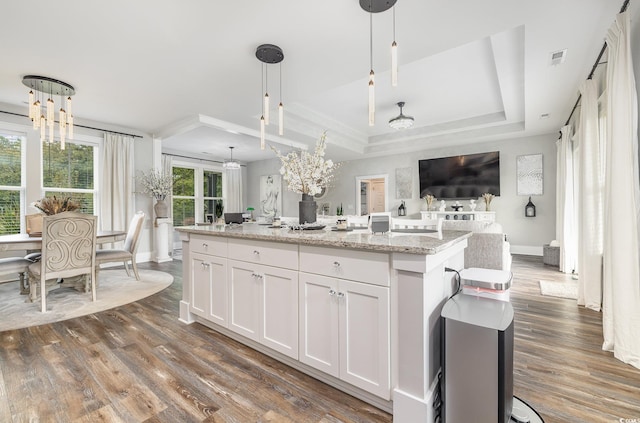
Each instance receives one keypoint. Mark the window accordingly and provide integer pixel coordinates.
(11, 191)
(196, 186)
(70, 173)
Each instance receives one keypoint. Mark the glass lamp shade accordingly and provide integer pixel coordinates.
(231, 164)
(401, 121)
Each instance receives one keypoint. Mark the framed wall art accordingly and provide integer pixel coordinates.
(529, 173)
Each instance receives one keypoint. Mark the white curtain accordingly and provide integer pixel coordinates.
(590, 200)
(116, 183)
(621, 281)
(232, 190)
(566, 233)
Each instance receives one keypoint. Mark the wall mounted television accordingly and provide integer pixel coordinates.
(460, 177)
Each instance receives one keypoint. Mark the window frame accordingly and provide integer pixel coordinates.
(96, 144)
(198, 197)
(21, 189)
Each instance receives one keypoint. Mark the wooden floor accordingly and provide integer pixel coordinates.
(138, 363)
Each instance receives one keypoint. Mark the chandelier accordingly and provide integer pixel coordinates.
(401, 121)
(231, 164)
(44, 118)
(270, 54)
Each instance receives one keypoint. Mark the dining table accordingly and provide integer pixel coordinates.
(16, 242)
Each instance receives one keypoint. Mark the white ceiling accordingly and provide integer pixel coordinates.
(186, 72)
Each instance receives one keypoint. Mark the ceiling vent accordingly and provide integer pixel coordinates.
(558, 57)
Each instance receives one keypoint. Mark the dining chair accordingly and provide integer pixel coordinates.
(16, 266)
(68, 250)
(128, 252)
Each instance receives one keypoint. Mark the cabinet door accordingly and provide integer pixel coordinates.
(319, 322)
(218, 296)
(279, 307)
(364, 337)
(200, 286)
(244, 298)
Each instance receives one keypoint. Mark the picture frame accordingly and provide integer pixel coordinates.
(529, 174)
(270, 195)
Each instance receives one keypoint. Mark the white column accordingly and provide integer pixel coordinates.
(161, 237)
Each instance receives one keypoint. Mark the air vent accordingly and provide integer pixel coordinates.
(558, 57)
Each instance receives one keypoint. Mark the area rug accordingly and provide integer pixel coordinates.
(115, 288)
(568, 289)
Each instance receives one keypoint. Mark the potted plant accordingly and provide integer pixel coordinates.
(157, 185)
(307, 174)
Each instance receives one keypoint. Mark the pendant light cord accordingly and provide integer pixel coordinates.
(371, 39)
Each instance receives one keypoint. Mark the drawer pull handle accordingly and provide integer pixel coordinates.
(332, 292)
(255, 275)
(204, 265)
(336, 264)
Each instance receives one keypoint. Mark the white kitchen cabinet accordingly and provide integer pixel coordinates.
(209, 287)
(344, 331)
(263, 305)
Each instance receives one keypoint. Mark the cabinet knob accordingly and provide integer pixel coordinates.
(332, 292)
(256, 275)
(256, 252)
(340, 294)
(204, 265)
(205, 245)
(336, 264)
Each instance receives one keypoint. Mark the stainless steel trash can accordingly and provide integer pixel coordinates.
(477, 360)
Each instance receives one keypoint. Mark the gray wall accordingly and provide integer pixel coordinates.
(527, 235)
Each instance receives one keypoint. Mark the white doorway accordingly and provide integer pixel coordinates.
(371, 194)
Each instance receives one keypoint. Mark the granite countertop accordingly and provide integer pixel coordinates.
(358, 239)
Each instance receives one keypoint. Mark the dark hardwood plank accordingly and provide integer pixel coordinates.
(138, 363)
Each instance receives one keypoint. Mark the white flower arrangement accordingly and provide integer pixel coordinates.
(156, 184)
(307, 173)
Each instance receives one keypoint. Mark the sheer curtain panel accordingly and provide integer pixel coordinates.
(590, 200)
(621, 281)
(566, 233)
(116, 183)
(232, 190)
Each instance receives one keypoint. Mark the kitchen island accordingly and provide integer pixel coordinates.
(359, 311)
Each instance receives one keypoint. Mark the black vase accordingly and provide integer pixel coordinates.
(307, 209)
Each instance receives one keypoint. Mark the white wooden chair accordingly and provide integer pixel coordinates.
(400, 223)
(357, 221)
(128, 252)
(16, 266)
(68, 249)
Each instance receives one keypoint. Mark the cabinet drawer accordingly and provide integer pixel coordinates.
(276, 254)
(215, 246)
(362, 266)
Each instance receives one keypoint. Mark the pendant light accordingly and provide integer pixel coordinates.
(394, 54)
(269, 54)
(371, 7)
(43, 85)
(230, 164)
(401, 121)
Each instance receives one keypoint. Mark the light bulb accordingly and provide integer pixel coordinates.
(372, 99)
(266, 108)
(261, 132)
(394, 64)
